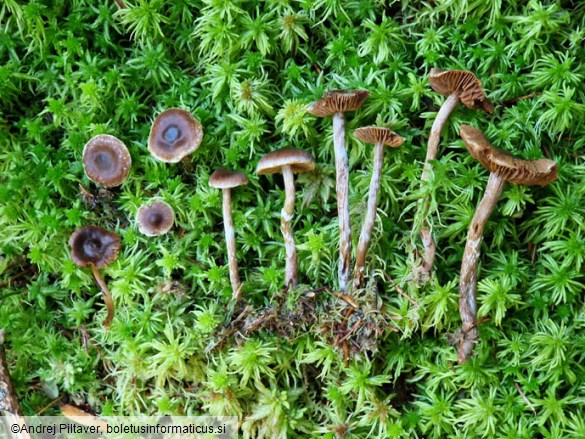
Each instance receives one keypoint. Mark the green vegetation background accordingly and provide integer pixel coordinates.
(73, 69)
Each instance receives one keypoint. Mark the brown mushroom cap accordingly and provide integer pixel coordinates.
(297, 159)
(514, 170)
(155, 219)
(338, 101)
(381, 135)
(106, 160)
(224, 179)
(462, 82)
(93, 246)
(174, 134)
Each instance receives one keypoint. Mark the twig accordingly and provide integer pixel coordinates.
(515, 100)
(49, 405)
(18, 276)
(401, 291)
(8, 401)
(525, 398)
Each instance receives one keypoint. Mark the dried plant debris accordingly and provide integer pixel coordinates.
(353, 328)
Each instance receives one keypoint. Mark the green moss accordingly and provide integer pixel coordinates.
(247, 70)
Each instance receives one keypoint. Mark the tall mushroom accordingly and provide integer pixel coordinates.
(106, 160)
(155, 219)
(503, 168)
(335, 103)
(226, 181)
(96, 247)
(287, 161)
(458, 86)
(380, 137)
(174, 134)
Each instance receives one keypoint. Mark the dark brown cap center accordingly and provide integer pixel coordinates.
(155, 219)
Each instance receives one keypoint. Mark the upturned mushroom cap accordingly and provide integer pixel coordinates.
(94, 246)
(174, 134)
(514, 170)
(106, 160)
(338, 101)
(155, 219)
(224, 179)
(381, 135)
(464, 83)
(297, 159)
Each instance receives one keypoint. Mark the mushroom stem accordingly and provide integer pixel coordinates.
(230, 240)
(468, 277)
(286, 227)
(432, 153)
(342, 187)
(99, 280)
(370, 218)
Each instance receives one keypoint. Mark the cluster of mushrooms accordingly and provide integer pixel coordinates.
(175, 134)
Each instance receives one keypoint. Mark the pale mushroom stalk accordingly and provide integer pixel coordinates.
(459, 87)
(108, 300)
(368, 226)
(230, 240)
(468, 277)
(342, 188)
(291, 268)
(503, 168)
(432, 153)
(335, 103)
(287, 161)
(380, 137)
(226, 181)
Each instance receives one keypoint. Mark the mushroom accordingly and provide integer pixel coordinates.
(174, 134)
(287, 161)
(226, 181)
(458, 86)
(503, 168)
(335, 103)
(380, 137)
(106, 160)
(155, 219)
(96, 247)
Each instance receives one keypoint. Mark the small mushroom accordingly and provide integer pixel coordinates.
(96, 247)
(503, 168)
(106, 160)
(335, 103)
(155, 219)
(226, 181)
(174, 134)
(458, 86)
(380, 137)
(287, 161)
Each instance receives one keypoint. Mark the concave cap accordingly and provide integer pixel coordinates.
(464, 83)
(514, 170)
(106, 160)
(338, 101)
(297, 159)
(381, 135)
(224, 179)
(155, 219)
(94, 246)
(174, 134)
